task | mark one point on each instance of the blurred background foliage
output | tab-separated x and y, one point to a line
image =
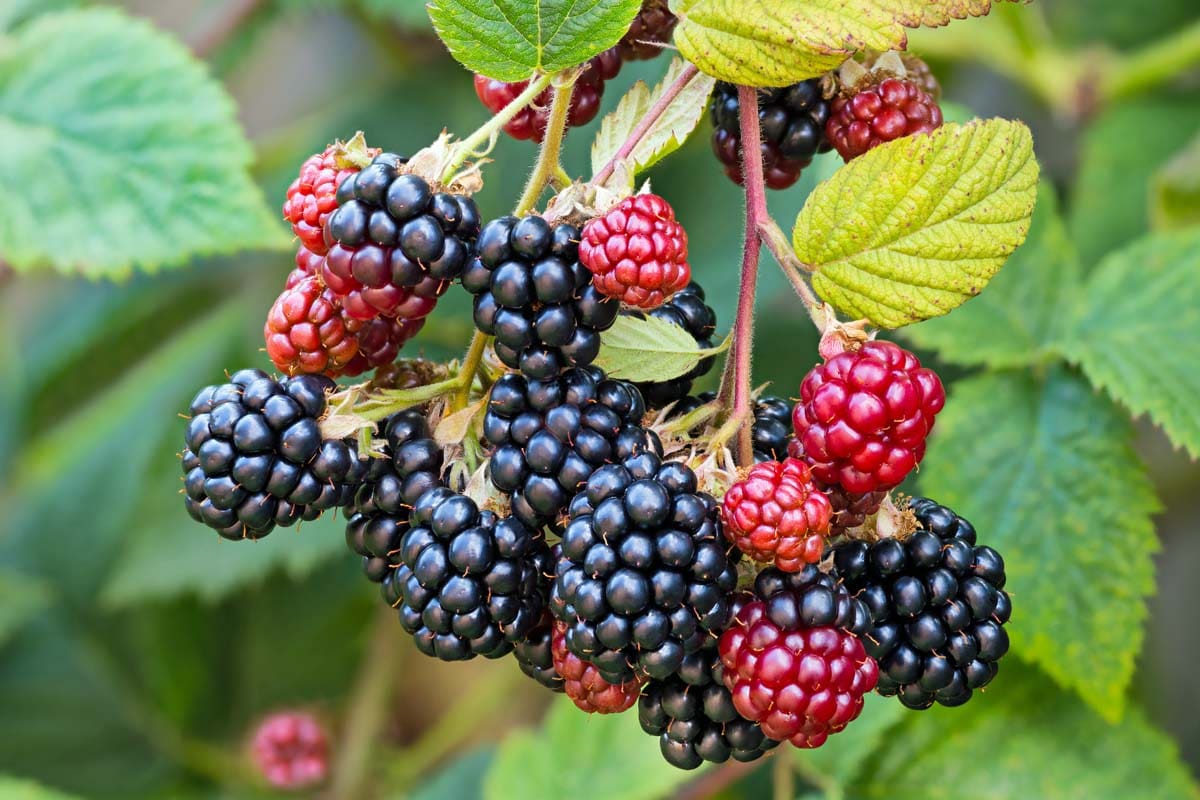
136	652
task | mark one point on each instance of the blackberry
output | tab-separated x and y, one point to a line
644	579
551	435
583	683
693	716
868	116
772	428
254	456
469	583
395	244
651	29
536	298
534	656
793	130
685	309
938	606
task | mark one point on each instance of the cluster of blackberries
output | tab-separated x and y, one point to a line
772	427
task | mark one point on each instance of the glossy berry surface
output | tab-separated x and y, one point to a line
651	29
254	456
583	683
693	716
531	121
536	298
312	197
938	604
394	243
550	436
777	515
637	252
291	750
644	579
792	661
468	583
792	120
772	429
534	655
305	331
686	309
881	113
863	417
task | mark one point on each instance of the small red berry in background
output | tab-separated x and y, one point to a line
637	252
777	514
312	197
864	415
583	684
881	113
291	750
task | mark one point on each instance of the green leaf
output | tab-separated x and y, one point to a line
1045	471
1023	739
1112	192
916	227
667	134
128	153
512	39
1016	321
17	12
1176	199
21	597
16	789
854	747
649	349
1138	332
582	757
461	779
780	42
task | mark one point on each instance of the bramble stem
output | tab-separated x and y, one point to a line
467	147
548	159
646	123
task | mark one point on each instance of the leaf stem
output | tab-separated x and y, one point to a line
1154	64
470	366
548	159
468	146
793	268
646	123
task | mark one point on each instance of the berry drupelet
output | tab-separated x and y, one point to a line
776	514
306	332
536	298
938	604
637	252
644	579
312	197
583	683
551	435
685	309
881	112
793	130
255	457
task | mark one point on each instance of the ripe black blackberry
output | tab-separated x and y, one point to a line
468	582
255	458
793	130
693	715
394	242
938	604
650	31
535	297
644	579
533	654
685	309
772	429
379	512
551	435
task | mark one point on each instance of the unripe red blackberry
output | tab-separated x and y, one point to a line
651	29
583	683
291	750
308	264
380	341
938	606
637	252
776	514
792	659
312	196
305	331
879	113
864	415
531	121
686	309
792	120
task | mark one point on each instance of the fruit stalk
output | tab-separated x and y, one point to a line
467	147
548	158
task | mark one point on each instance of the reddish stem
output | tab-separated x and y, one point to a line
646	122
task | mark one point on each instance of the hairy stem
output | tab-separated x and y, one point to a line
548	159
1153	65
646	123
468	146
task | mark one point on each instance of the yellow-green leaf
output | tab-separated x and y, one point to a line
649	349
916	227
1175	202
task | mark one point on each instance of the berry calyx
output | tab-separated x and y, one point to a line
880	113
291	750
864	415
792	660
583	683
793	129
305	331
312	196
651	29
776	514
637	252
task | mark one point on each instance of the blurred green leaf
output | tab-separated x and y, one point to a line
1023	739
1044	469
128	153
512	39
1138	332
20	599
461	779
854	748
1116	23
1120	152
1176	199
14	789
17	12
1017	318
582	757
